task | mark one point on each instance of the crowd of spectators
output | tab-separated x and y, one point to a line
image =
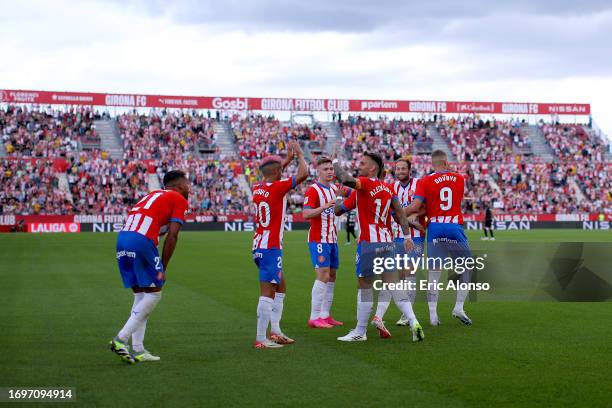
101	185
46	132
392	138
214	184
573	142
31	187
488	152
166	135
472	139
256	135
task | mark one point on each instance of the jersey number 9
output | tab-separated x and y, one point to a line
446	198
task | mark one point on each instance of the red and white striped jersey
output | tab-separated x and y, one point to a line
373	208
270	200
323	228
404	194
442	193
155	211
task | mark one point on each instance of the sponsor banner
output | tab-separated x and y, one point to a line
248	226
290	104
63	227
228	226
10	220
528	225
535	217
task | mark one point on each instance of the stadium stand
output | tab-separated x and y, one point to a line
257	135
390	137
44	145
45	132
31	187
471	139
171	136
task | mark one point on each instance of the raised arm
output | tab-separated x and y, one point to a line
343	176
302	170
290	156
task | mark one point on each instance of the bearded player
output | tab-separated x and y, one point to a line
442	192
374	199
323	243
403	187
139	262
270	201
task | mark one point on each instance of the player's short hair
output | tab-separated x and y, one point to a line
172	176
322	160
269	160
405	160
378	160
439	154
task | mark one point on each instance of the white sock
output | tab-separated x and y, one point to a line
411	283
462	294
364	308
384	298
264	310
277	313
138	335
401	300
140	314
318	294
432	292
327	300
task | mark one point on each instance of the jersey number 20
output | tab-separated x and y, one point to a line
263	214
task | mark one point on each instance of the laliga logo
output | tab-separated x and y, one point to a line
231	104
3	96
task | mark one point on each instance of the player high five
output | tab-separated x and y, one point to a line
270	201
442	192
322	243
375	201
404	187
139	262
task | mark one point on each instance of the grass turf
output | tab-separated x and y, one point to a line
63	300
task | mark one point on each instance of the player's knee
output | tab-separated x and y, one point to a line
154	295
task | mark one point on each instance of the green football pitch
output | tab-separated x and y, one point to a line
62	300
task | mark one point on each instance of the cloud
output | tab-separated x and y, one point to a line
540	51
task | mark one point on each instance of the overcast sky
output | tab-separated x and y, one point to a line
524	50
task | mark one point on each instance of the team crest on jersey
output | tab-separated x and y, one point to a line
321	259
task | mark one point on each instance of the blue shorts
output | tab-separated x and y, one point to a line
370	255
270	264
417	251
324	255
447	240
139	261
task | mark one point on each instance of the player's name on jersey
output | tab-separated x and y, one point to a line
445	177
380	188
261	192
